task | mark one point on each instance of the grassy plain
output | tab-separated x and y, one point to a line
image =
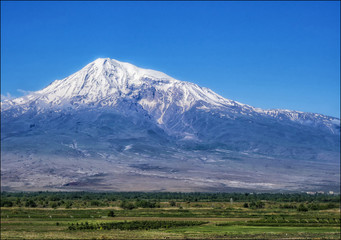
219	220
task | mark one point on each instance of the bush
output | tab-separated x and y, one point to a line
288	206
127	205
257	204
302	208
111	214
30	203
145	204
331	205
95	203
54	198
6	203
314	206
68	204
54	205
246	205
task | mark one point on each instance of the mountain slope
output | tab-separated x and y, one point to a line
151	126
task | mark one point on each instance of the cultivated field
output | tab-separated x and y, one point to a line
173	216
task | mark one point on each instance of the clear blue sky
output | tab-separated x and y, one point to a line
266	54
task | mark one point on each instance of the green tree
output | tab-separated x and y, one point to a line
302	208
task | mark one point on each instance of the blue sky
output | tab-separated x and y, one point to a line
266	54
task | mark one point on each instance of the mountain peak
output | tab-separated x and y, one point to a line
101	79
108	80
104	63
130	70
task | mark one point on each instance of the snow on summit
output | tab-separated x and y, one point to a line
105	80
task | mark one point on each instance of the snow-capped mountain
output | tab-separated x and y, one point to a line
105	82
112	110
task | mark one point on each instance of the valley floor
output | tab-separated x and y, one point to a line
201	220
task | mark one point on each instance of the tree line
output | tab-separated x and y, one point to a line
130	200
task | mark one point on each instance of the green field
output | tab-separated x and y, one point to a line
182	216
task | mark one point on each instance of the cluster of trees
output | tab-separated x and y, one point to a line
33	202
288	206
127	205
253	205
139	204
133	225
299	207
316	206
310	206
288	221
6	203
